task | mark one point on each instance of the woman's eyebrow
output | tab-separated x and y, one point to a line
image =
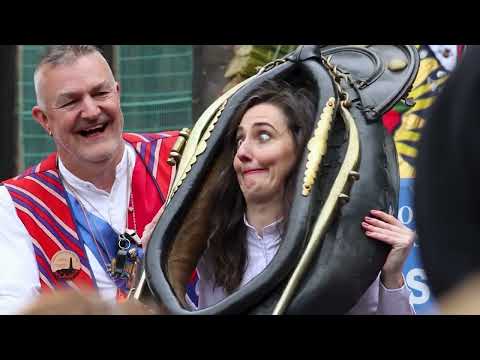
259	124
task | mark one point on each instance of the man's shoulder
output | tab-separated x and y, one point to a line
6	203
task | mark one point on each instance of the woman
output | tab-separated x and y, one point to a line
267	137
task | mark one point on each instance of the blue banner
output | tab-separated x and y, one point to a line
421	296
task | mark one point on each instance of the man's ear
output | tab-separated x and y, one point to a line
41	118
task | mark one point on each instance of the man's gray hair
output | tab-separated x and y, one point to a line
65	54
62	55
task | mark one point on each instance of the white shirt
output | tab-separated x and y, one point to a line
260	251
19	276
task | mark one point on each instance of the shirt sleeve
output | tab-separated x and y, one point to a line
19	278
378	300
395	301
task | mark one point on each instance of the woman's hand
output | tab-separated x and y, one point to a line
384	227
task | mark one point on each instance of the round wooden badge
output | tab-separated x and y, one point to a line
65	264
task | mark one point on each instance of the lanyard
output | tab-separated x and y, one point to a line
102	243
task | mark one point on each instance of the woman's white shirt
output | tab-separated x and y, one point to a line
261	248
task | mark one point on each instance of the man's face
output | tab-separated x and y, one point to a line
79	104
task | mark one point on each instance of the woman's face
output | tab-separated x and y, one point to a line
265	153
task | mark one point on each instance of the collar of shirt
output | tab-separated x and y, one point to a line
85	186
271	233
109	206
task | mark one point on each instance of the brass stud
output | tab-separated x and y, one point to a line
185	132
397	65
177	148
355	175
173	158
344	198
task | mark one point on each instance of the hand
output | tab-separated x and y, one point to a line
387	228
148	230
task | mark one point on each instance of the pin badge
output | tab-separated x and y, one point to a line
65	264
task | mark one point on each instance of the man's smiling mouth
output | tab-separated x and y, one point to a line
92	131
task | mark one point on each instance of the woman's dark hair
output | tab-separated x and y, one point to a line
226	253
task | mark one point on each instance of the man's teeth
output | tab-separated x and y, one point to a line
93	129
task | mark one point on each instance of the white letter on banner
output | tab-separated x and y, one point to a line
401	214
418	285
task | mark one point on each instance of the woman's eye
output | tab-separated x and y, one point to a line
264	137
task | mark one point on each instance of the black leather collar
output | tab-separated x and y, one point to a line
347	262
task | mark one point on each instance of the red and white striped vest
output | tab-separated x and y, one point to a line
41	203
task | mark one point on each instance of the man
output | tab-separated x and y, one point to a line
70	221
